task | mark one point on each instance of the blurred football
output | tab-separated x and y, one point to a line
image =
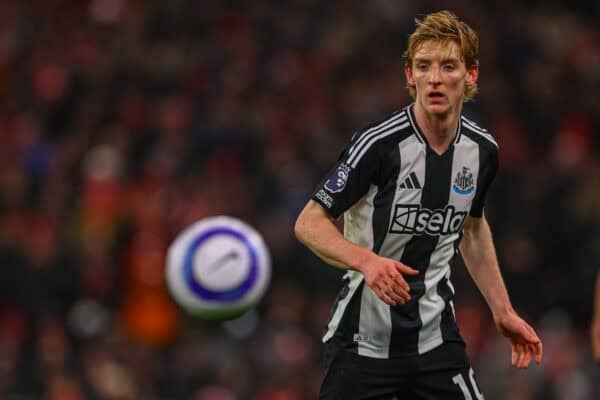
218	268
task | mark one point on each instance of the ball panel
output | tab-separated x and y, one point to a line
221	263
205	293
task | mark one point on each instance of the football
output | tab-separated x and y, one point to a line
218	268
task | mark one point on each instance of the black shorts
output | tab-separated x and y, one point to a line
442	373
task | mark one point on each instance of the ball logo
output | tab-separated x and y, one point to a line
412	219
337	181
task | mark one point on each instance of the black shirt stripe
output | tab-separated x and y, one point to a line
417	254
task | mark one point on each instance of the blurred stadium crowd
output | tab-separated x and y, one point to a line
122	121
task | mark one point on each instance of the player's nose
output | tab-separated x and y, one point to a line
434	74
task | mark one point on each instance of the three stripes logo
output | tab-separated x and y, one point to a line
411	182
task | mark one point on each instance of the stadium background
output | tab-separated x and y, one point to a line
122	121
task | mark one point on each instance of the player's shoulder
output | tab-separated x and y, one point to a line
388	128
383	127
378	135
478	133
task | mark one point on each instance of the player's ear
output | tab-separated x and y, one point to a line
472	75
409	75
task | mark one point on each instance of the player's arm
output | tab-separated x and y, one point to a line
316	229
479	254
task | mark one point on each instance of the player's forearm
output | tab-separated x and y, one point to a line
316	230
479	255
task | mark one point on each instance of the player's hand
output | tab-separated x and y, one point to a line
525	342
385	277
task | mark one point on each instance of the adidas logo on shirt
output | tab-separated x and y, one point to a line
411	182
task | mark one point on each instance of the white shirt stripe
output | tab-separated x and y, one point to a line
355	279
475	127
487	136
473	124
359	230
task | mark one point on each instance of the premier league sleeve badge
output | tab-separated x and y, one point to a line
338	179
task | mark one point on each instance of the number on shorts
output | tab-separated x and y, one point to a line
460	381
474	385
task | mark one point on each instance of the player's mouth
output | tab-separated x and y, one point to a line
435	97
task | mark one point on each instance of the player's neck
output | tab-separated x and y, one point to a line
439	129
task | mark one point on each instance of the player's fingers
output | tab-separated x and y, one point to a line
387	295
536	345
519	355
398	295
397	292
378	290
387	299
522	356
400	282
532	337
526	358
514	355
405	269
528	355
533	353
539	352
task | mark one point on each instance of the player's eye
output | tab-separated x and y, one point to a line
449	67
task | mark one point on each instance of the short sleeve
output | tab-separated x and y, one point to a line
350	179
487	174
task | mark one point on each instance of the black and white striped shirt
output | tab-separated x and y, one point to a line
404	201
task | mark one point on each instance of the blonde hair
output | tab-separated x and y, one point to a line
444	27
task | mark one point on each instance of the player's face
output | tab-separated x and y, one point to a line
439	77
